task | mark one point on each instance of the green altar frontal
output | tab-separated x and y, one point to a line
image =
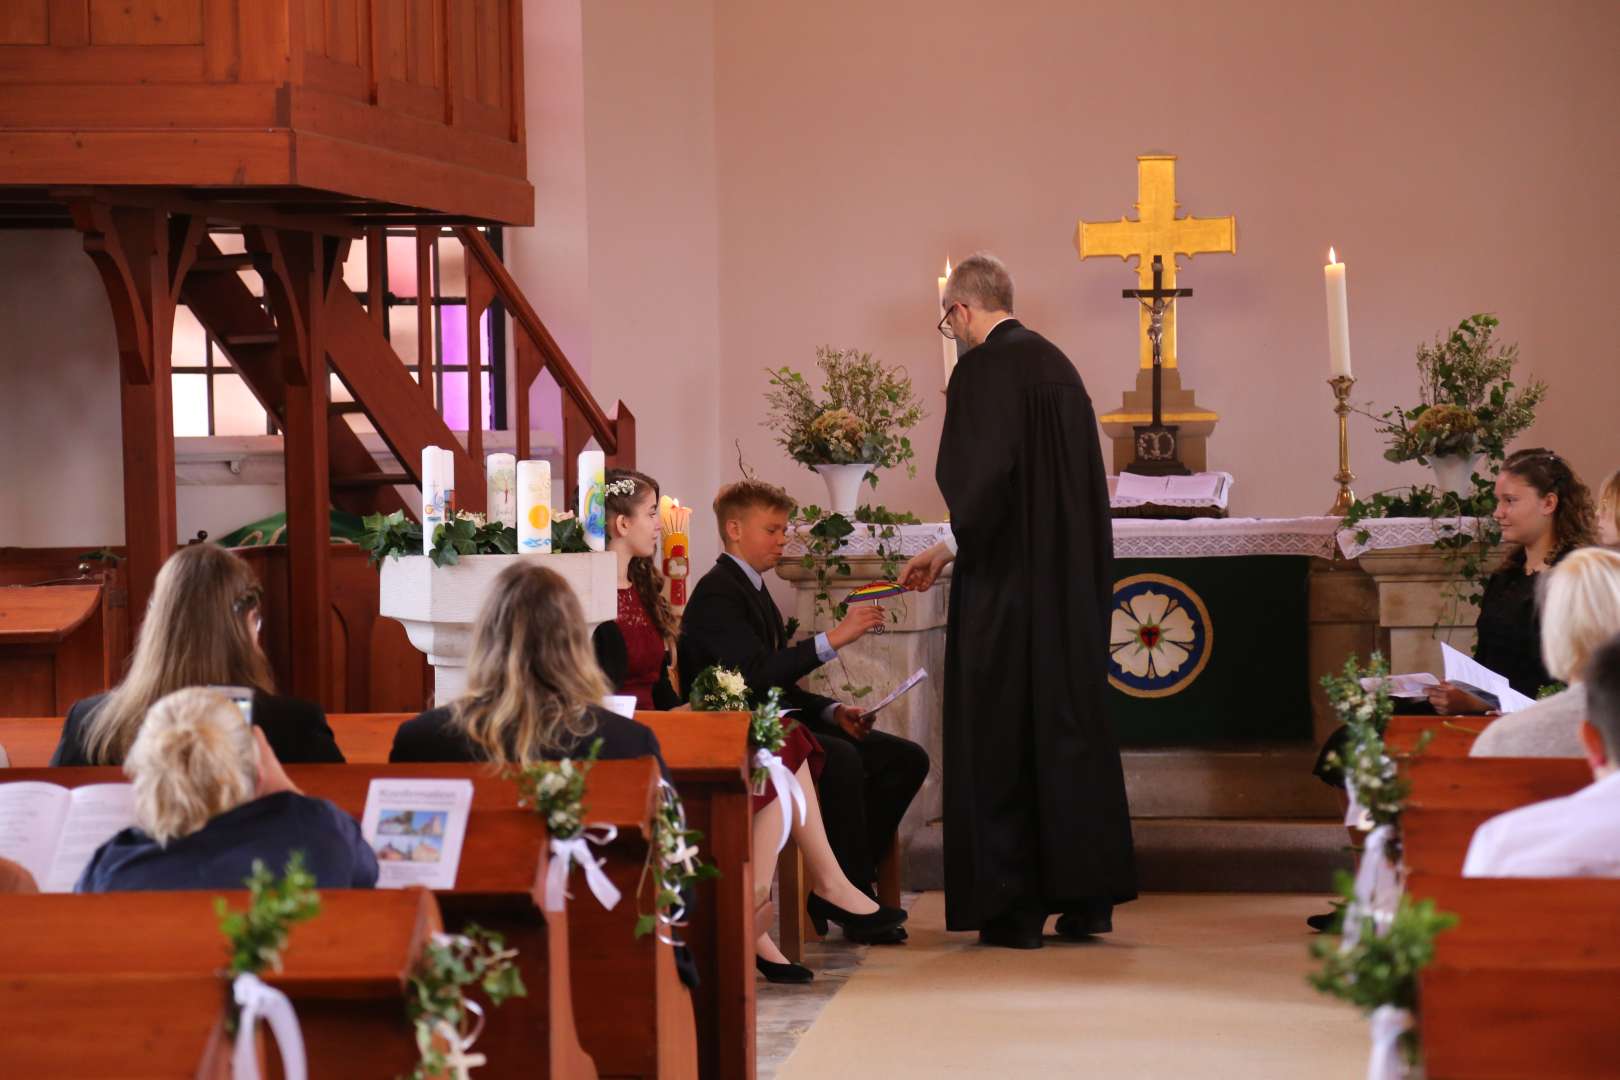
1209	650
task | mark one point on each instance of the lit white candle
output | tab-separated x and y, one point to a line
950	346
534	506
1338	313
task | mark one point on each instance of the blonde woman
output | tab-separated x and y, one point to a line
1579	612
201	629
534	690
1608	513
210	798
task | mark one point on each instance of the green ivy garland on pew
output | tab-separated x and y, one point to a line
674	865
258	935
393	535
438	1006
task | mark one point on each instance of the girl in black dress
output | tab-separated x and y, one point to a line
1544	509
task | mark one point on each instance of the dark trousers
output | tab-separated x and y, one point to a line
865	787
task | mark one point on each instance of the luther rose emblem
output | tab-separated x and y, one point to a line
1159	636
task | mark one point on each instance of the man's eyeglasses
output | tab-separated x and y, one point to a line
945	324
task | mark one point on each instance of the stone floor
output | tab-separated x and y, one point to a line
784	1013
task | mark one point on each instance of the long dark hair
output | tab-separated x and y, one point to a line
1574	519
644	574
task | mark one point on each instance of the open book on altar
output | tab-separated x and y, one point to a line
1205	490
52	831
416	828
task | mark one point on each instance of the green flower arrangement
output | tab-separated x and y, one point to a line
555	791
718	689
861	417
392	535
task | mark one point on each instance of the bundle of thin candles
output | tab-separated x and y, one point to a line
672	516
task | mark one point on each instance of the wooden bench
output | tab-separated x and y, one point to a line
1449	736
1451	797
1525	984
500	887
131	984
707	755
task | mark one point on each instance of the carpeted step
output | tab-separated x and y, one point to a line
1197	855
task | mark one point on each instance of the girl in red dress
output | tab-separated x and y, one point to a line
634	652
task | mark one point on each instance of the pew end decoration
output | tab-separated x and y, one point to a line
438	1008
1378	974
555	791
675	866
256	938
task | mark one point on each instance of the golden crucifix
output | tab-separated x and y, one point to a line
1156	231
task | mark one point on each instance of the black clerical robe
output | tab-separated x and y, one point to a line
1035	810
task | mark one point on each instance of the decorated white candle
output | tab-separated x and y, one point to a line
950	346
592	506
534	506
433	494
500	471
1338	317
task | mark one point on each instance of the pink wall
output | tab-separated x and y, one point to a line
1460	155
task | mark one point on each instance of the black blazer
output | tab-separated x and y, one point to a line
296	730
731	623
431	736
614	659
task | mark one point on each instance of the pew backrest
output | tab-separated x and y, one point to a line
1448	736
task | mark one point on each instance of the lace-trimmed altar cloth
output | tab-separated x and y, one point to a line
1143	538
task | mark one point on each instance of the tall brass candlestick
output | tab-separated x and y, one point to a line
1341	390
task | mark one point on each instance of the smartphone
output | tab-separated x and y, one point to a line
241	697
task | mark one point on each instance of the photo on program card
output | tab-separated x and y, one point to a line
410	835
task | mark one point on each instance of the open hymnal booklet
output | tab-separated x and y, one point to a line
1461	670
416	828
52	831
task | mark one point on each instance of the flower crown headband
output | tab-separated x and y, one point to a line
625	486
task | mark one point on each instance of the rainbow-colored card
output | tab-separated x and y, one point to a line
878	590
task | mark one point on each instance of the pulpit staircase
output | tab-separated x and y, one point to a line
399	407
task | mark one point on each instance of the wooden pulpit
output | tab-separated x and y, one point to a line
54	647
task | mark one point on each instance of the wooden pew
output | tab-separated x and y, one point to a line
707	755
499	886
1449	736
1451	797
1525	984
131	984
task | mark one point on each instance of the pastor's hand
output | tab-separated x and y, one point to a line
923	570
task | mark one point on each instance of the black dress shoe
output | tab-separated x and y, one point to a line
782	973
897	936
1010	936
1323	924
1079	925
855	926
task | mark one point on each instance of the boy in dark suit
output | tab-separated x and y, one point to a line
869	777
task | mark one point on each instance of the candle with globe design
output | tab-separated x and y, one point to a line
592	498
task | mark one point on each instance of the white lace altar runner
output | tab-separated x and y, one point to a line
1199	538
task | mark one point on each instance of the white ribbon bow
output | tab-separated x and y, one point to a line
462	1063
1355	815
1385	1026
254	998
576	849
1378	889
788	792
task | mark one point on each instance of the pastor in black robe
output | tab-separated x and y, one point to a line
1035	809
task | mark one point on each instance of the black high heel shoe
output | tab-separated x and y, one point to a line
856	927
782	973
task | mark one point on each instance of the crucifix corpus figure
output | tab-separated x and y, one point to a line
1156	450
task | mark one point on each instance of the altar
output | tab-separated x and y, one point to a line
1220	632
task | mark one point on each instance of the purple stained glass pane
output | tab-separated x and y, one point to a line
453	352
454	403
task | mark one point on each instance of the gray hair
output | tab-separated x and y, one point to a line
193	759
981	280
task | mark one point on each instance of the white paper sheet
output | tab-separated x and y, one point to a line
416	828
1405	686
1461	667
31	816
911	680
95	814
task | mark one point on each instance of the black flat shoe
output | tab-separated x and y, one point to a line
782	973
855	926
1009	936
1322	924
